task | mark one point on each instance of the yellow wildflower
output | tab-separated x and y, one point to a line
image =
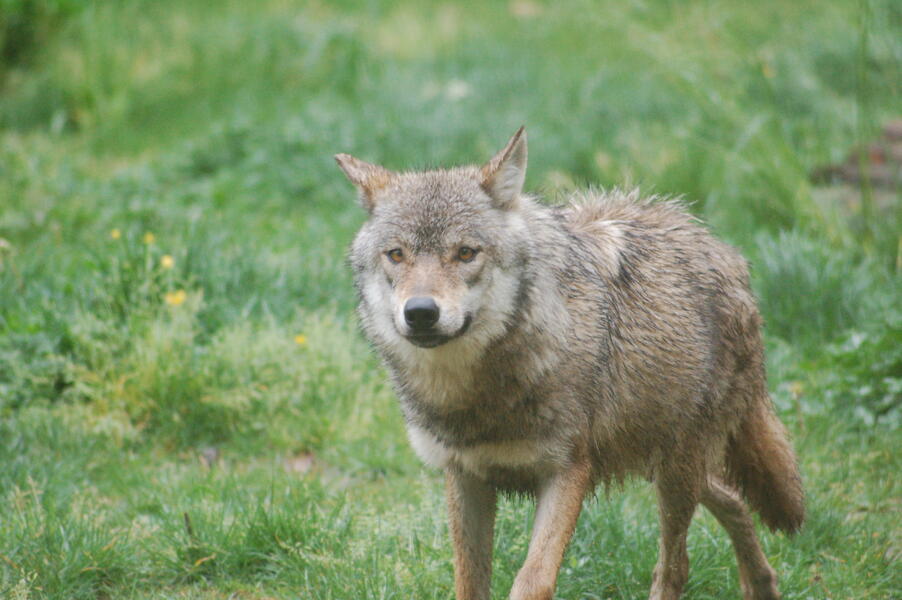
166	261
149	238
175	298
115	234
300	339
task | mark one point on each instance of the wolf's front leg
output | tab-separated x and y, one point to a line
471	516
558	505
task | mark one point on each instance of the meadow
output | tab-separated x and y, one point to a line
187	408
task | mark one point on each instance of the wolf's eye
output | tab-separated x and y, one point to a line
395	255
466	254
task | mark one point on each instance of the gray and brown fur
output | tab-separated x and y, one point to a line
579	345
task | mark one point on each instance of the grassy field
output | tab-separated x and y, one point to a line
187	409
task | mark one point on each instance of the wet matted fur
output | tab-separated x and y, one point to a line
546	350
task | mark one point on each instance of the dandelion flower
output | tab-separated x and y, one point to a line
115	234
176	298
300	339
166	261
149	238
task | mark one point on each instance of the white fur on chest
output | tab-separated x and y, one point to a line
478	458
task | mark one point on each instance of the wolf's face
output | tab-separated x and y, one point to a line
431	257
439	260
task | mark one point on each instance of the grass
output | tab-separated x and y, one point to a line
193	414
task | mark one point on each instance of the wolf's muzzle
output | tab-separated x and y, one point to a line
421	313
430	339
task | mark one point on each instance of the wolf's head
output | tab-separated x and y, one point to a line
439	262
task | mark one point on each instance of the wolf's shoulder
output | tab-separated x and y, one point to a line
585	210
622	229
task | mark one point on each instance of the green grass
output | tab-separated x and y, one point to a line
166	433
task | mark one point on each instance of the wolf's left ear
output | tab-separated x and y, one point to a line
368	178
503	176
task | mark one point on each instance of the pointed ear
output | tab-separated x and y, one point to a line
503	176
368	178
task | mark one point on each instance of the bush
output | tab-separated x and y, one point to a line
866	372
27	24
808	292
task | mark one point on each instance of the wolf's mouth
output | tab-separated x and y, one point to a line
430	339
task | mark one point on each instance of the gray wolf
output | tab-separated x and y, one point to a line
547	350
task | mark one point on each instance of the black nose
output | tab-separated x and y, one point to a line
421	312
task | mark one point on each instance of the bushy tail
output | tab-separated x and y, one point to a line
761	463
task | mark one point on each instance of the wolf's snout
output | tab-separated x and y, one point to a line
421	313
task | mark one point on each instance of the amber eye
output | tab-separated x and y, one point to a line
395	255
466	254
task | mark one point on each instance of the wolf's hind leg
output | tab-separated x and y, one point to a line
757	578
678	494
471	518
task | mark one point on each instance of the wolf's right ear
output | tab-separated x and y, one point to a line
368	178
503	176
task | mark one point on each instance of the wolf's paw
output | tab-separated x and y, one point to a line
531	586
762	587
668	584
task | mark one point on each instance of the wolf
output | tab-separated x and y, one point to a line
547	350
